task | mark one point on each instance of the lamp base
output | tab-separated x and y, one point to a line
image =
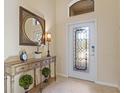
48	54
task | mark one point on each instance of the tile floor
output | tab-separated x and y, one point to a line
71	85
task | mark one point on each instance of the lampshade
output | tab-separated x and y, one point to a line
48	37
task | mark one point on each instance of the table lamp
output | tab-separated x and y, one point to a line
48	40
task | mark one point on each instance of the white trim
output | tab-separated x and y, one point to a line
107	84
66	49
63	75
97	82
95	22
72	2
67	32
82	21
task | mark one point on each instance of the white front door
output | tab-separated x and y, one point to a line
82	50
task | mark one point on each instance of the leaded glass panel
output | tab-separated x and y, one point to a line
81	48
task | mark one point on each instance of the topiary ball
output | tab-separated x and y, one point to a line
25	81
46	71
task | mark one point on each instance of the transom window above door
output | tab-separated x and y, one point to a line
81	7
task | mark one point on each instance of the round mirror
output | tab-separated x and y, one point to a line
33	29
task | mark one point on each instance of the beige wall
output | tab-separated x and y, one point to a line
107	19
43	8
11	33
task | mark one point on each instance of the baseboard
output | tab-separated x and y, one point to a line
97	82
107	84
63	75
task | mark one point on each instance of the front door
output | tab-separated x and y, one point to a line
82	50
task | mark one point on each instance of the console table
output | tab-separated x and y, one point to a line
16	67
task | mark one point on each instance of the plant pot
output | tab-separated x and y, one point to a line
46	79
26	90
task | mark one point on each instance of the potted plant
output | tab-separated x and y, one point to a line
46	72
25	81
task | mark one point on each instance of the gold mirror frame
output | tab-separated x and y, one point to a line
23	38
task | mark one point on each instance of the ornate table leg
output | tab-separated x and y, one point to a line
40	80
55	69
49	68
12	84
5	83
34	77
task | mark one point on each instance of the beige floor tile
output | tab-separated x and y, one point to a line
71	85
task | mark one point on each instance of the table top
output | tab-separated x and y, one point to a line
28	61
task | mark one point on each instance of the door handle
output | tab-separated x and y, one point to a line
92	50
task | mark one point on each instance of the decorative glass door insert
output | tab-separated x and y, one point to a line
81	48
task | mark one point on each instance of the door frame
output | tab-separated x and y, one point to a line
67	45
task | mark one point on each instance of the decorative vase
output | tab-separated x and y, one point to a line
37	55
